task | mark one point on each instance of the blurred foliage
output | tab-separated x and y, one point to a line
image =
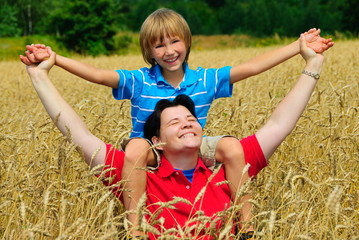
91	26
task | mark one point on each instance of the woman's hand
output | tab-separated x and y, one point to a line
316	42
43	67
314	60
35	53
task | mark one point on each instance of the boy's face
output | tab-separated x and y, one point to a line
180	130
169	54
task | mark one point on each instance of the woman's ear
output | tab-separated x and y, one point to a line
157	143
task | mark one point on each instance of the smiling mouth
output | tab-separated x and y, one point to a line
171	60
187	135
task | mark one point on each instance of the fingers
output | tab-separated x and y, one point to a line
312	30
51	59
42	54
37	45
30	57
37	52
25	60
302	41
49	50
52	56
327	46
31	48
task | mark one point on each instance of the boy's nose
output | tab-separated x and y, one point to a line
169	50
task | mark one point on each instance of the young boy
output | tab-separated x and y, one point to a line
165	41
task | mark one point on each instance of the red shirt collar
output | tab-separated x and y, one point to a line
166	169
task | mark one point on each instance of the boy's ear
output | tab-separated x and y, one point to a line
156	141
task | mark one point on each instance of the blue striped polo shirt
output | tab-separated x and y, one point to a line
146	86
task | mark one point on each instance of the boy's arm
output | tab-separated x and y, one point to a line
286	114
273	58
90	73
37	53
65	118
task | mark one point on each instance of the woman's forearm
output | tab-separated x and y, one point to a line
67	120
286	114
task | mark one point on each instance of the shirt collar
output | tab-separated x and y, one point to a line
158	75
166	169
187	81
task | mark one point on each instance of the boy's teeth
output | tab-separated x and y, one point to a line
171	60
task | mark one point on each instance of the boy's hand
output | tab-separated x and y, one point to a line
35	69
35	54
316	42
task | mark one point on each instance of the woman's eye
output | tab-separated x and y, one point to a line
173	123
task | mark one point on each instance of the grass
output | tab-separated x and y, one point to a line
310	190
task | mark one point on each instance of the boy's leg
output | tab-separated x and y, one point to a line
138	155
229	152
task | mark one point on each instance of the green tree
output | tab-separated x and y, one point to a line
32	15
231	17
85	26
350	20
9	25
258	21
200	17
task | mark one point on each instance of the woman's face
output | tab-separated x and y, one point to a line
180	130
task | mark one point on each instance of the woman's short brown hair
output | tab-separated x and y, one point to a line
163	22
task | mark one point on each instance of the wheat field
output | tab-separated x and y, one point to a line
310	190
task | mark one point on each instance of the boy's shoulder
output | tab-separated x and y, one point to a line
202	71
144	71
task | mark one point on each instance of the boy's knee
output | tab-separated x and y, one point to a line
137	149
228	149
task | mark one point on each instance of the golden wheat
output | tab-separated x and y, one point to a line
310	190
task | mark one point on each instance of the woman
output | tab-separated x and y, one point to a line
178	136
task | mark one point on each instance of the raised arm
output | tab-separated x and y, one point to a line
39	52
270	59
65	118
286	114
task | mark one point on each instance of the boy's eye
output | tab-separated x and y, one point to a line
158	46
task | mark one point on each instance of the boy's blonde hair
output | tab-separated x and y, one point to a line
163	22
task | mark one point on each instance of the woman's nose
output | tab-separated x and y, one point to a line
187	124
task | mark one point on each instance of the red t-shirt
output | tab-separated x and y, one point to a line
169	185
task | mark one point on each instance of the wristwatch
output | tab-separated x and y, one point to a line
316	76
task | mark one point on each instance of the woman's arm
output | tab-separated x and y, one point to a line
285	116
66	119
